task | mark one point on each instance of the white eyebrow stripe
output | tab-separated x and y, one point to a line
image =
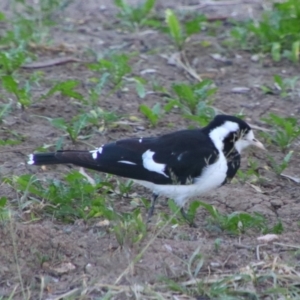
126	162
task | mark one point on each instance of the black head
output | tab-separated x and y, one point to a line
232	131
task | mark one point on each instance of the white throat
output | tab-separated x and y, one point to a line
218	134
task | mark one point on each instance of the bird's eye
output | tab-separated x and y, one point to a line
254	140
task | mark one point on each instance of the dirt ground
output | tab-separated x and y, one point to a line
89	255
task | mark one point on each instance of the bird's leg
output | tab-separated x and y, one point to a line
151	209
187	218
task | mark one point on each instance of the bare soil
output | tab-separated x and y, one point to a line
85	255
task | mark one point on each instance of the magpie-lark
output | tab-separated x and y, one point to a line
179	165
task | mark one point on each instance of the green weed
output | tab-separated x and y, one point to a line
65	88
286	86
4	213
251	174
134	16
193	100
180	32
285	132
276	33
73	128
130	228
32	22
75	197
153	114
115	68
5	110
66	200
280	166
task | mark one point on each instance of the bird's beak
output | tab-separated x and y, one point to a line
258	144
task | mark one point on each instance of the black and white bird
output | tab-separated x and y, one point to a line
179	165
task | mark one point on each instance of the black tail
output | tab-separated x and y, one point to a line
79	158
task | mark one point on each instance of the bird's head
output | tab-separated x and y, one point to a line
225	129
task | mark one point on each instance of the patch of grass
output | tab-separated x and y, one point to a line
73	128
180	32
74	198
192	97
276	33
65	88
115	67
234	223
279	166
4	213
285	87
134	16
153	114
31	23
286	131
130	228
67	200
194	101
251	174
5	110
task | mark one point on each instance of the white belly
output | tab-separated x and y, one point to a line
211	178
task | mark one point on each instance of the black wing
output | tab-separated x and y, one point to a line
184	153
181	156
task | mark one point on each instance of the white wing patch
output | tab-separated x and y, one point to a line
151	165
126	162
30	160
96	151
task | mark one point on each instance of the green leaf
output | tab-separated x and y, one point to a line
149	114
295	51
140	88
3	201
276	51
174	28
195	25
66	88
147	7
10	84
59	123
2	16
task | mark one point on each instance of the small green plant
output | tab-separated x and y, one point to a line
130	228
66	200
285	132
153	114
72	128
11	60
22	94
125	187
99	116
134	16
179	32
251	174
4	213
65	88
235	223
114	70
276	33
280	166
193	99
286	86
5	110
32	22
